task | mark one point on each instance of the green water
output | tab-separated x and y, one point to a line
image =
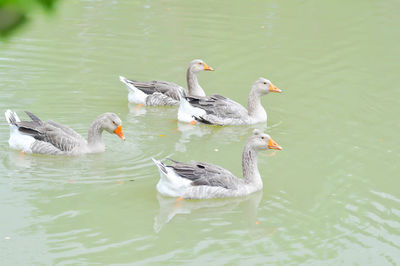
331	197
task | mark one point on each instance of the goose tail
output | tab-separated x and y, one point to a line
187	112
128	84
135	95
12	118
170	184
18	140
161	167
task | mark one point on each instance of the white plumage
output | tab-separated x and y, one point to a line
18	140
164	93
170	183
135	95
187	112
197	180
219	110
37	136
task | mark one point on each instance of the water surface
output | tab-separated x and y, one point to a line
330	197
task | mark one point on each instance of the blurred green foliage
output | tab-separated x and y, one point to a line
15	13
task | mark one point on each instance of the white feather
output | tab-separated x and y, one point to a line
135	95
18	140
171	184
187	111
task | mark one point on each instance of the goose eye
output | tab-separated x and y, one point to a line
114	123
265	83
200	63
262	137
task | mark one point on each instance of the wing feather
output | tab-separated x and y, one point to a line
62	138
167	88
219	106
204	174
67	130
157	99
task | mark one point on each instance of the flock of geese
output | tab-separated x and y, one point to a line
194	180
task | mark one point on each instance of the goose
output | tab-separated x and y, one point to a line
197	180
219	110
53	138
164	93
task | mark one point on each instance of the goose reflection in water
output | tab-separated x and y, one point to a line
170	207
137	109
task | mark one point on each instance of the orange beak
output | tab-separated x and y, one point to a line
207	67
272	88
273	145
119	132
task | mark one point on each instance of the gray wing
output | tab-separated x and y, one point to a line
204	174
67	130
42	147
219	109
219	106
52	133
167	88
159	99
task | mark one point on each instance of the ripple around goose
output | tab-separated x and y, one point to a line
53	138
197	180
164	93
219	110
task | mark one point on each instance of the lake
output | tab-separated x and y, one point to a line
330	197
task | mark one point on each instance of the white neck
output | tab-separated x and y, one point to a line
255	110
194	87
251	175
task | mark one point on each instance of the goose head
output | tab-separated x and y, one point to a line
263	86
111	123
199	65
262	141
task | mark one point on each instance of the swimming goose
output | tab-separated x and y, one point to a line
53	138
196	180
161	93
219	110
